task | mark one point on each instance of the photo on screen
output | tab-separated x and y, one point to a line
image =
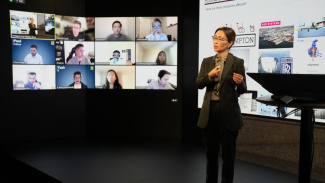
156	53
65	76
148	27
75	28
309	52
33	77
33	51
270	62
276	37
147	74
114	28
311	25
79	53
32	25
124	75
115	53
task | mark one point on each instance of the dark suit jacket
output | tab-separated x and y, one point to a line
229	91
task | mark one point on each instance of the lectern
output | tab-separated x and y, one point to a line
303	91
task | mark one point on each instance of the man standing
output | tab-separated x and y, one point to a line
32	27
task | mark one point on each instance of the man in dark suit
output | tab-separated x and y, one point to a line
223	77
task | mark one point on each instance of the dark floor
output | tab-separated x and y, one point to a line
108	161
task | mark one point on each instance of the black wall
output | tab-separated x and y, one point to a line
52	114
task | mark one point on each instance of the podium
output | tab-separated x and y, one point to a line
306	131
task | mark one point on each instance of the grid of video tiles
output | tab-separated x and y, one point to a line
52	51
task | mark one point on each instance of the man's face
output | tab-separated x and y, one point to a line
156	26
116	55
77	79
116	28
80	52
32	78
33	51
164	80
76	29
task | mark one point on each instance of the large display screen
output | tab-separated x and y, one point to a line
279	36
52	51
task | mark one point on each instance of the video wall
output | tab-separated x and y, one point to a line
52	52
278	36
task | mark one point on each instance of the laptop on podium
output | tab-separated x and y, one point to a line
289	87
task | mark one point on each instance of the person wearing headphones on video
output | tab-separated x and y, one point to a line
77	84
116	60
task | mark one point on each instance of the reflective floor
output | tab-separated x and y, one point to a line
120	161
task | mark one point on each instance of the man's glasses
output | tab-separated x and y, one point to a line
219	38
116	27
156	26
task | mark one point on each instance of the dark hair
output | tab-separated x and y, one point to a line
33	46
32	73
230	34
117	22
156	20
79	45
73	51
116	51
116	84
162	73
77	73
158	61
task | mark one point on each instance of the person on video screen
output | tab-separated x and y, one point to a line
32	27
223	78
117	36
116	60
32	82
112	81
161	58
76	34
77	84
156	34
33	57
162	81
79	58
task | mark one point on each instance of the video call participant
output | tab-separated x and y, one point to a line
223	77
117	36
156	34
112	81
76	34
77	84
32	27
116	60
79	58
32	83
161	58
162	81
33	57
